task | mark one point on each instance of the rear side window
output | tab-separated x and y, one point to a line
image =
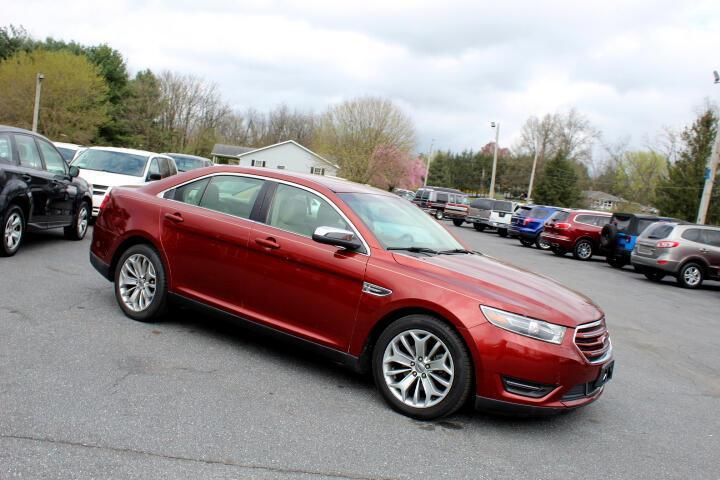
442	197
503	206
6	154
659	231
712	237
28	152
692	234
451	198
232	195
562	216
164	167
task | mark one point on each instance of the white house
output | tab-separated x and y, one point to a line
288	155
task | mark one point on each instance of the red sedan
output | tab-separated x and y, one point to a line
364	276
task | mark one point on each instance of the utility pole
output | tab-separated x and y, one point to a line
710	172
36	110
427	167
496	126
532	173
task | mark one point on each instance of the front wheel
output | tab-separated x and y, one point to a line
502	232
140	284
458	222
690	275
78	228
422	367
13	231
439	214
479	227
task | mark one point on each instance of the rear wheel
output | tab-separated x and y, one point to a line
13	231
422	367
526	242
140	284
560	252
583	250
541	243
479	227
439	214
690	275
458	222
502	232
78	228
654	275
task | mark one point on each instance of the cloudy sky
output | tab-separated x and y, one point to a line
632	67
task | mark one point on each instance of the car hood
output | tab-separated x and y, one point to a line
501	285
110	179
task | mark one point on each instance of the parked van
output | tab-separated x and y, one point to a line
443	203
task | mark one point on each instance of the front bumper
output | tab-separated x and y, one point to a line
571	380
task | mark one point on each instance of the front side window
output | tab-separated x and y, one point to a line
54	162
112	162
399	224
712	237
28	152
6	154
154	168
232	194
302	212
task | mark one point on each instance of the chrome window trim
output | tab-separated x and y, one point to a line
607	354
161	194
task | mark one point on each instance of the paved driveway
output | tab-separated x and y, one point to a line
87	393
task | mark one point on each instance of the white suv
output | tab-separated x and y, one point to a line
107	167
500	215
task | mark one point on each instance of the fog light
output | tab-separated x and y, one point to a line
526	388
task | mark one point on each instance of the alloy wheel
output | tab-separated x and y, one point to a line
13	231
418	368
82	222
692	276
584	250
137	282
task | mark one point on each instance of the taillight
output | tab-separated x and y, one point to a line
527	220
105	200
667	244
562	226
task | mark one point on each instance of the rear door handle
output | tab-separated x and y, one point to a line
267	242
174	217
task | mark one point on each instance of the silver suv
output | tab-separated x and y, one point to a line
689	252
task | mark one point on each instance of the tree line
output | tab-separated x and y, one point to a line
90	98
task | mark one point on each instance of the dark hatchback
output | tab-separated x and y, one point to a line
38	190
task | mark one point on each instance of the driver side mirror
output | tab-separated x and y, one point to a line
73	171
337	237
153	177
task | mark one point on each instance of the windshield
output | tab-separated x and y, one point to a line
399	224
112	162
185	164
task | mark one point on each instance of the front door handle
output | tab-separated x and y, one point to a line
267	242
174	217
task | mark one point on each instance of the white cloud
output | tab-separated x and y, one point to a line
632	67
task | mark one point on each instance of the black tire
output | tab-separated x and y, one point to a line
691	275
458	222
158	305
608	235
461	385
615	262
502	232
542	244
654	275
73	231
526	242
10	246
479	227
439	214
560	252
583	250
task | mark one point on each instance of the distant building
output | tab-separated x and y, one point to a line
598	200
288	155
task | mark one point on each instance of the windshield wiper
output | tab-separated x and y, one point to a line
453	251
416	250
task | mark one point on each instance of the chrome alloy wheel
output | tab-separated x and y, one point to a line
544	244
418	368
13	231
584	250
137	282
692	276
82	222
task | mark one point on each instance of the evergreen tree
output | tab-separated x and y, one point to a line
679	195
558	184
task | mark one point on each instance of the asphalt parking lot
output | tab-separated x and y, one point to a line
87	393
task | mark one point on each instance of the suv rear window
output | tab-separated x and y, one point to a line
482	203
642	225
539	212
442	197
560	216
622	223
659	231
503	206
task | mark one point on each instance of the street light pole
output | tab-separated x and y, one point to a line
427	167
532	173
710	173
496	126
36	110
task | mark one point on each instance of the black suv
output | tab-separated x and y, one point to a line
38	190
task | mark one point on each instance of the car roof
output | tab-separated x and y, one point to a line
592	212
67	145
9	129
131	151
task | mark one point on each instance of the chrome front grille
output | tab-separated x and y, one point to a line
593	340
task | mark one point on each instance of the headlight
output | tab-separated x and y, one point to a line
529	327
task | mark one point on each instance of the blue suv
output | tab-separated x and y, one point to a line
528	222
617	238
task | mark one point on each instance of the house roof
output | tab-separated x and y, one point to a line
223	150
598	195
283	143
